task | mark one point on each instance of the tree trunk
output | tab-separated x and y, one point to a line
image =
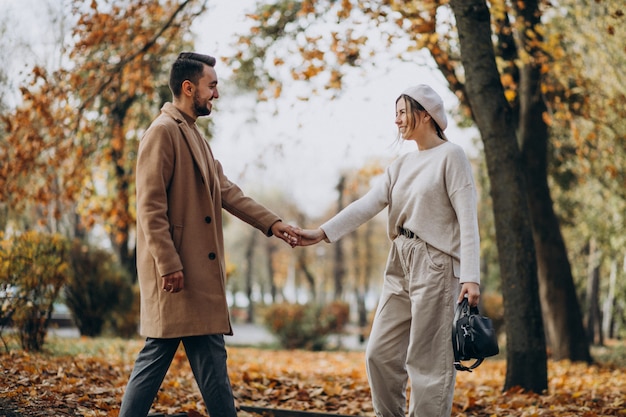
308	275
526	353
249	278
559	302
363	285
609	302
271	273
4	216
122	178
339	269
593	288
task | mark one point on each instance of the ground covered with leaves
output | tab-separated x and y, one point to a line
86	377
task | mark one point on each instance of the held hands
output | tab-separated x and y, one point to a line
287	233
295	236
310	236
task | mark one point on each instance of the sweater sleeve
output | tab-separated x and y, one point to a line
358	212
463	198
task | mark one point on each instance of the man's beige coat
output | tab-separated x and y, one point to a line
179	227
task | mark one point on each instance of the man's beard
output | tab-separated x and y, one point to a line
199	108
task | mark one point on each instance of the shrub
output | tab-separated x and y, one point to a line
298	326
33	268
491	305
336	314
124	320
8	288
99	287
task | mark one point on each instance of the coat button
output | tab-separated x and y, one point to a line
207	219
211	256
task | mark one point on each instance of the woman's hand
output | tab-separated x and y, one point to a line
310	236
472	290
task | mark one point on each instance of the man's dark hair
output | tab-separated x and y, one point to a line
188	66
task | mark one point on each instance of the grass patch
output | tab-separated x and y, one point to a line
87	346
58	346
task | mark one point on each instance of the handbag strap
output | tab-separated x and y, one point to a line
460	367
462	307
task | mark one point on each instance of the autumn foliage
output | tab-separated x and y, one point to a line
33	269
69	148
299	326
87	377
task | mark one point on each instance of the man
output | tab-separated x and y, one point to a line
181	191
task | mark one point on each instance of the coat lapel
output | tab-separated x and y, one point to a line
192	143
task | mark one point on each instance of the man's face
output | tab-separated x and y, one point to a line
205	92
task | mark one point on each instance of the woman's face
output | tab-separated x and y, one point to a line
404	119
409	119
401	119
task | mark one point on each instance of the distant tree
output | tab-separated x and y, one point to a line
249	273
586	95
339	267
367	262
260	266
72	142
96	289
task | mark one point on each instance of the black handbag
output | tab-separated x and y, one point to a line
473	336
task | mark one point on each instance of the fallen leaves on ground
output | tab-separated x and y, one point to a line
81	384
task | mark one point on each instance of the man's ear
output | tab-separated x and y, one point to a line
187	88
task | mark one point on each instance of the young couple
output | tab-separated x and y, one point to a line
433	261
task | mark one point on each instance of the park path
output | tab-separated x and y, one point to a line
246	334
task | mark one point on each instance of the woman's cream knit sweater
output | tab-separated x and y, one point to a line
430	193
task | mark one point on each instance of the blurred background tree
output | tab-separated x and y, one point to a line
69	147
68	143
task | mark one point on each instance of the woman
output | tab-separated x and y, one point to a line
433	226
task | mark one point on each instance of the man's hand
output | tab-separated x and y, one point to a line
286	232
310	236
174	282
473	293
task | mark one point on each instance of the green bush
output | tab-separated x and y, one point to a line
298	326
8	288
33	268
99	287
336	315
124	321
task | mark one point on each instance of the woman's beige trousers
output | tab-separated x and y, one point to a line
411	333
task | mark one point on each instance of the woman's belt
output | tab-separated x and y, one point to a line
407	233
